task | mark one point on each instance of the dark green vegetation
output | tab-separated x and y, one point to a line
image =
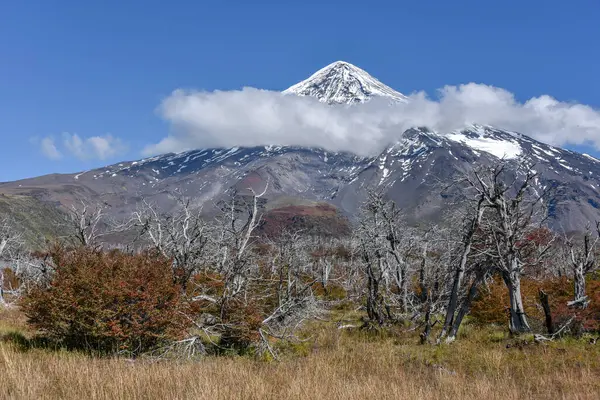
39	221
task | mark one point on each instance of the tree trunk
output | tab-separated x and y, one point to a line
546	307
460	272
425	334
2	301
518	320
579	282
405	290
3	245
422	276
465	306
374	309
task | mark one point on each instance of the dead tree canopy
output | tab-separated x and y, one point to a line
181	235
514	210
85	224
506	209
384	242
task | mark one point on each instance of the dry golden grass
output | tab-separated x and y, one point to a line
339	365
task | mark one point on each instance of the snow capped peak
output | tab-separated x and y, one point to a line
343	83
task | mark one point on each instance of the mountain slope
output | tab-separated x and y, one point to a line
343	83
205	175
412	171
37	221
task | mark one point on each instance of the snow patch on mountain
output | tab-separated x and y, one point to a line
498	148
590	157
499	143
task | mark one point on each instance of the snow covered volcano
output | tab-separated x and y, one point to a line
343	83
412	170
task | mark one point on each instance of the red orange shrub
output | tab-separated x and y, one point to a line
491	305
107	302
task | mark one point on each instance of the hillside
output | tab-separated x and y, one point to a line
412	171
38	221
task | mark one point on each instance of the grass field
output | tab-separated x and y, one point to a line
482	364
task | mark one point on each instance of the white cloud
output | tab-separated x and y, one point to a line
49	148
91	148
95	147
252	117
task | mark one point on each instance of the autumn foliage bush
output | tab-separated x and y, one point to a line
107	301
492	303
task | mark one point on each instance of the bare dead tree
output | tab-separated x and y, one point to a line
8	236
290	269
478	275
471	226
181	235
543	296
295	300
11	245
323	261
236	226
85	222
383	245
371	233
396	241
286	257
583	261
349	267
514	208
433	252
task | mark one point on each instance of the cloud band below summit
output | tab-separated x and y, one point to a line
250	117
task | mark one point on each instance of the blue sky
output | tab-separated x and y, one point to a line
103	68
